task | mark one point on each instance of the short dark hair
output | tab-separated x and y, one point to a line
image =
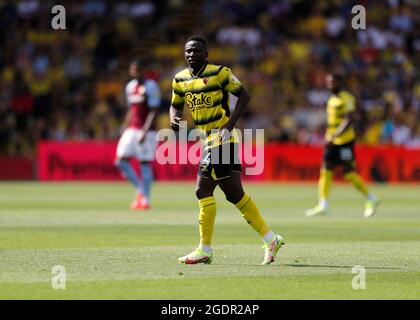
137	62
338	77
198	39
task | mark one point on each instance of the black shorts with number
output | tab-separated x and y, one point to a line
219	162
336	155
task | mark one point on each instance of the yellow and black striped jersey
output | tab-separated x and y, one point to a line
206	95
338	106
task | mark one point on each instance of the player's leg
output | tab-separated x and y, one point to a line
372	201
204	192
324	185
207	214
207	204
351	175
326	176
125	150
145	154
228	174
233	190
147	175
127	170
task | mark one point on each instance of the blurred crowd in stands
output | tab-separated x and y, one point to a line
68	84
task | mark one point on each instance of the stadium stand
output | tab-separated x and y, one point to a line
67	84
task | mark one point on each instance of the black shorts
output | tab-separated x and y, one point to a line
340	155
219	162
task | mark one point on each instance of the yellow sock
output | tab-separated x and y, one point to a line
206	219
358	182
252	215
324	183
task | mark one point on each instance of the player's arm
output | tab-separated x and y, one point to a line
126	120
147	124
127	115
177	106
347	122
153	102
349	107
232	85
175	116
241	104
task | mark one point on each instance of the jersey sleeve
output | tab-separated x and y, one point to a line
229	82
349	102
177	96
153	94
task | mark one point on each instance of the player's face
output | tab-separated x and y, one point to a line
329	82
133	70
195	54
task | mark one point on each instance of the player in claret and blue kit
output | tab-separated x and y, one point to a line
138	140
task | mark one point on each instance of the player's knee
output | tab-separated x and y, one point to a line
202	193
119	162
234	197
199	193
349	172
329	167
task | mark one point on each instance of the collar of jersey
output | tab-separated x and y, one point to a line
200	71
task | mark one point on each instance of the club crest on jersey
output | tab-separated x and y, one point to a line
205	80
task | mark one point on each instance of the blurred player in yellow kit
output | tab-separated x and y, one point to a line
204	88
339	148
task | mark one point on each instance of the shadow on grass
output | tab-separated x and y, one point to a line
338	267
306	266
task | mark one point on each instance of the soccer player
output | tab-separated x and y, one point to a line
205	89
339	148
138	140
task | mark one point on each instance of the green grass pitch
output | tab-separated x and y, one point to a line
110	252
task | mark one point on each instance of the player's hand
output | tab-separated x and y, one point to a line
175	123
225	132
142	137
328	141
